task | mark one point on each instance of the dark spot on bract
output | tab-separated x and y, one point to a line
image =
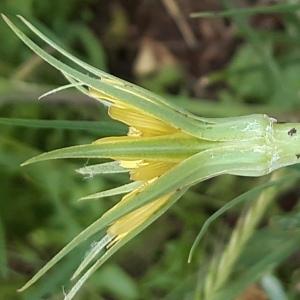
298	156
292	131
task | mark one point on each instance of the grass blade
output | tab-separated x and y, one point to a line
262	264
276	8
104	128
247	196
3	256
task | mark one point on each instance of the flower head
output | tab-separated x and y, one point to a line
141	126
166	151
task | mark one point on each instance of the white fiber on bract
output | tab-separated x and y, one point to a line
96	248
102	168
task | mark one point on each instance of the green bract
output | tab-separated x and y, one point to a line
183	150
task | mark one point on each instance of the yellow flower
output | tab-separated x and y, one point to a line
141	125
167	150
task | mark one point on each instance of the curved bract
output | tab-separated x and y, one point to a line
166	151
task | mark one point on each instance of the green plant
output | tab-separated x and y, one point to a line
167	150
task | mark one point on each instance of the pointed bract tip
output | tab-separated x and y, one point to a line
82	199
35	159
4	17
8	22
41	97
21	289
25	163
22	18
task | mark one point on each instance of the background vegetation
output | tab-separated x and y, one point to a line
240	63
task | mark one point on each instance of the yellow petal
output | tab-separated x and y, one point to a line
136	218
102	96
143	123
149	170
130	164
112	139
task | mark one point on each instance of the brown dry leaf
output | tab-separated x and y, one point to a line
152	57
253	292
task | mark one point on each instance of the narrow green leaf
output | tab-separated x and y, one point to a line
101	127
104	168
3	254
263	264
276	8
123	189
247	196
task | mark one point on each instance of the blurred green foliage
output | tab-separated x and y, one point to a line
38	209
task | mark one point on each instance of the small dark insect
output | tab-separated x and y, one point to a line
292	131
